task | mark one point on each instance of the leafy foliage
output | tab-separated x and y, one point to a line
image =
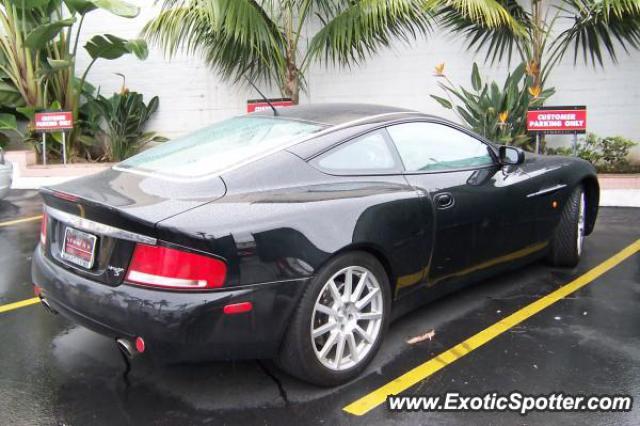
125	115
115	7
8	124
591	28
10	97
608	154
499	40
43	34
353	34
599	25
108	46
263	39
38	47
497	113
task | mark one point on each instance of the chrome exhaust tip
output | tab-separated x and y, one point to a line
126	348
47	306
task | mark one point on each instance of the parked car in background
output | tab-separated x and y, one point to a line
6	170
299	235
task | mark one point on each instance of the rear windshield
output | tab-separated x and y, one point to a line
218	147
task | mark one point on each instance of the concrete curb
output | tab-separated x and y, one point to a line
28	175
620	197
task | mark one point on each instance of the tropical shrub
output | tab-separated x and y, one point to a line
608	154
270	40
38	48
125	115
7	125
615	153
496	112
545	31
586	148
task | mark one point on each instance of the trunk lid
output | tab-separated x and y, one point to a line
130	205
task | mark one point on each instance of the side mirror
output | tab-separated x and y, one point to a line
510	155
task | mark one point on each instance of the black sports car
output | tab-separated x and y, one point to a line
300	235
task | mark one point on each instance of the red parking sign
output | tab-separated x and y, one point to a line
53	121
260	105
557	120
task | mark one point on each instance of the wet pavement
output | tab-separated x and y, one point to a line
54	372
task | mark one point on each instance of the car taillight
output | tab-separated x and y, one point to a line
165	267
43	228
65	196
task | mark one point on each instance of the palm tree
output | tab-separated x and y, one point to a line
591	28
267	39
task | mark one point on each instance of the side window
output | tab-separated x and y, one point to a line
432	146
369	153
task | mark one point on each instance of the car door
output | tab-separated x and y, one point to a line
399	226
472	197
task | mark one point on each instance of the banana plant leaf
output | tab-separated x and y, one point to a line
58	64
28	112
9	95
108	46
8	122
117	7
41	35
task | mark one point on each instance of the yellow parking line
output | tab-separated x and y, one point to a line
23	220
20	304
421	372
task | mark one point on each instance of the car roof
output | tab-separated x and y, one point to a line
345	119
337	114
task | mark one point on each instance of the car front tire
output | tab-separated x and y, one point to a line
340	321
568	239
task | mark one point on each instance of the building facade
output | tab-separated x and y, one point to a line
192	95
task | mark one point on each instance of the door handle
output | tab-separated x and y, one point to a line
444	200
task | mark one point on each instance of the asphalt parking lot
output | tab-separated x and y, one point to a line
54	372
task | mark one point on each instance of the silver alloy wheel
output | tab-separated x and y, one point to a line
581	215
347	318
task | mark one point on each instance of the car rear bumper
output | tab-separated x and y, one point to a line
175	326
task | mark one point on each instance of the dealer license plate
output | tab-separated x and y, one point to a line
79	247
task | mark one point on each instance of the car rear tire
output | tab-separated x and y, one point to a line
337	328
568	238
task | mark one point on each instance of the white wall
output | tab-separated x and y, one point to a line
191	95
